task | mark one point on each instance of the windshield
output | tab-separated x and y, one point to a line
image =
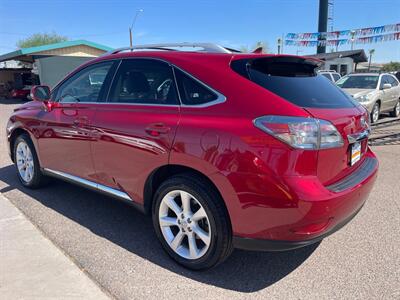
358	82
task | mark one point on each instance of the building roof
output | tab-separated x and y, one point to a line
357	55
33	50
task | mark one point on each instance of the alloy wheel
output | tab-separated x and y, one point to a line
184	224
25	162
375	113
397	109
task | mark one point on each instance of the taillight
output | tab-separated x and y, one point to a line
302	133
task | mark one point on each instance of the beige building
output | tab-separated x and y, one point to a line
48	63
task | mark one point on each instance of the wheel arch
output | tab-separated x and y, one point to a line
16	133
158	176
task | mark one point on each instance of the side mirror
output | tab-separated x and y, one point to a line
386	86
40	93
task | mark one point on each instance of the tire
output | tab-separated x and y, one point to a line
396	110
375	113
27	163
215	225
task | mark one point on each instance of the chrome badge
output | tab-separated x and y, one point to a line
363	123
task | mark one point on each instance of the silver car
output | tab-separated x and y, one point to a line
377	92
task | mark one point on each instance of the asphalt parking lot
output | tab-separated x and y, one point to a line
116	246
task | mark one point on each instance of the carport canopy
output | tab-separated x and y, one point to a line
79	48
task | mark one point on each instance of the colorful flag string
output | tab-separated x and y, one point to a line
339	42
336	34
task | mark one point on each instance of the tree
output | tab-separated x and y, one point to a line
391	67
246	49
39	39
371	51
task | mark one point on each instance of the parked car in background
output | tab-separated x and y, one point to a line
20	93
261	160
330	74
377	92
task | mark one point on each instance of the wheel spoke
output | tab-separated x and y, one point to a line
200	214
185	197
168	221
19	163
170	201
26	175
177	241
193	250
204	236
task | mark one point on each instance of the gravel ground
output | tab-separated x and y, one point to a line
116	245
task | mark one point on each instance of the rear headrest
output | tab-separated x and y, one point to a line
136	82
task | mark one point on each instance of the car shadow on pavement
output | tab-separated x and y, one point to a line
126	227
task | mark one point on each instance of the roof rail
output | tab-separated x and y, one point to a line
205	47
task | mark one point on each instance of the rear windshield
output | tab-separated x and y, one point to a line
358	82
295	80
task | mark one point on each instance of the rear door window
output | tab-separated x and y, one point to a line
295	80
144	81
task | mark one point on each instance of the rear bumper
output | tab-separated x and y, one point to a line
277	245
296	211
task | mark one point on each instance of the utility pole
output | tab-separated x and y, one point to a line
322	24
133	24
279	42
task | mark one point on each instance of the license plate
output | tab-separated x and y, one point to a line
355	153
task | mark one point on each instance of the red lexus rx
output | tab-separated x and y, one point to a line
224	150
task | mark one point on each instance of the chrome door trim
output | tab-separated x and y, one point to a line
87	183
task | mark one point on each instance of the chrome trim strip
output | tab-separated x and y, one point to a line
359	175
88	183
352	138
114	192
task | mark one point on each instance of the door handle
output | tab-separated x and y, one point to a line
81	121
156	129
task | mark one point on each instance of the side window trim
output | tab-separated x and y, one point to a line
107	99
220	97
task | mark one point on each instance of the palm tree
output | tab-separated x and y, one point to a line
371	51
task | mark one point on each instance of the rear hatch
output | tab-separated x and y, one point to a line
295	80
335	163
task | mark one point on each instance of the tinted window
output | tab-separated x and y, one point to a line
393	81
327	76
336	77
358	82
295	80
191	91
143	81
84	86
385	79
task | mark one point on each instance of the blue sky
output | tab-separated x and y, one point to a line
231	23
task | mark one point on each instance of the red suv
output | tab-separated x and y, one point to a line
222	149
